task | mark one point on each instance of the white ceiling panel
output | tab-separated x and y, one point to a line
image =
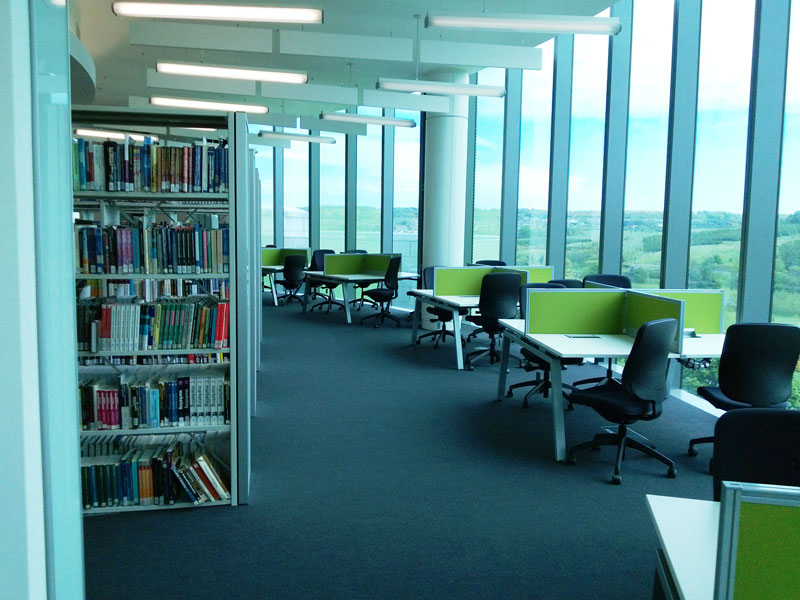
480	55
346	46
403	101
311	93
195	35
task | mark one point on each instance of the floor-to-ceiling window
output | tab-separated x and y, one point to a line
331	193
534	161
295	193
726	43
368	185
651	59
587	144
488	169
405	218
263	162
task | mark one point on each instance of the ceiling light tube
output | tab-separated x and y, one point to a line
113	135
529	23
218	12
297	137
440	87
231	73
206	105
367	120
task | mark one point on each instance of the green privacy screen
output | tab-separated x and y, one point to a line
575	311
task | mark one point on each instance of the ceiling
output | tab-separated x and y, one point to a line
392	42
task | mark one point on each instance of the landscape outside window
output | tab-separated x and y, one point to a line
331	193
368	188
295	193
405	216
263	161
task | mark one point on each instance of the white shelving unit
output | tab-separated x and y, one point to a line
231	207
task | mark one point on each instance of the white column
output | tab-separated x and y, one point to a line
445	180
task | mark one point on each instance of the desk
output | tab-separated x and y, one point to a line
451	303
552	347
270	271
687	558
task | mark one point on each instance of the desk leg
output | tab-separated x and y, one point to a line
559	434
346	303
274	291
457	339
501	382
305	295
415	323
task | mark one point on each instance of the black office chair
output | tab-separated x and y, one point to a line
293	266
498	300
384	295
315	285
620	281
532	362
755	369
490	262
441	315
270	246
568	283
360	299
757	445
355	251
638	397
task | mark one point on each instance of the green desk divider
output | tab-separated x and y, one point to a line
343	264
376	264
536	274
702	309
575	311
275	256
458	281
598	285
521	272
641	307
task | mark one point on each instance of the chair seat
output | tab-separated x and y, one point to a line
442	314
380	294
490	326
715	396
287	283
612	403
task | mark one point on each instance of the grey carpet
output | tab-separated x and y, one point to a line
379	471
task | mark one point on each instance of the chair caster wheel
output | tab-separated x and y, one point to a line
616	480
671	473
692	451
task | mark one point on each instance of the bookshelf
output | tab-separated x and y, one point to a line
161	285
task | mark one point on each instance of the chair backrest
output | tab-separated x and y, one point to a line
270	246
523	293
757	363
620	281
318	259
390	279
499	294
570	283
757	445
489	262
293	266
427	278
354	252
645	374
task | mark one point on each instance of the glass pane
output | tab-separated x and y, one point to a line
331	193
405	221
726	41
534	161
264	168
488	169
295	193
587	143
368	185
651	62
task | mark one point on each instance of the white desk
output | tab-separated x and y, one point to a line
270	271
687	559
451	303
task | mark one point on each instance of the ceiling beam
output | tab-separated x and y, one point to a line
339	45
317	124
404	101
311	92
195	35
480	55
200	84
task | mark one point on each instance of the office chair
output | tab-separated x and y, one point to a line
442	315
498	300
755	369
620	281
489	262
360	287
757	445
568	283
354	251
638	397
314	284
533	362
293	266
384	295
270	246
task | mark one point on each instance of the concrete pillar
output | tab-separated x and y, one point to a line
445	180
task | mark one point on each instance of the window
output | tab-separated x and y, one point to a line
488	169
264	167
331	193
587	145
534	161
405	218
651	61
295	193
368	186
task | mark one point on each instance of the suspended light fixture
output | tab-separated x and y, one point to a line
196	70
554	24
218	12
440	87
368	120
207	105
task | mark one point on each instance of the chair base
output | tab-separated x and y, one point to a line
439	335
329	302
289	297
622	442
700	440
381	316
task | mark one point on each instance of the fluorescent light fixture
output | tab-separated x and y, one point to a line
528	23
440	87
113	135
206	105
367	120
231	73
201	128
218	12
296	137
